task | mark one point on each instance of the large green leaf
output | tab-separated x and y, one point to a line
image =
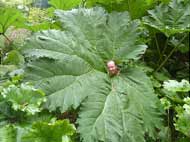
10	17
120	112
170	19
70	67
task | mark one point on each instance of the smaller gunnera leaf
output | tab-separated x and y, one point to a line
170	18
24	98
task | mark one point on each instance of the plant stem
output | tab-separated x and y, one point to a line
157	46
83	2
129	8
168	117
170	54
165	47
6	38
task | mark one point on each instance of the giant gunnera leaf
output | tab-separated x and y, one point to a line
83	66
170	18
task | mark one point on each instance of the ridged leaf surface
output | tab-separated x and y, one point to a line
70	66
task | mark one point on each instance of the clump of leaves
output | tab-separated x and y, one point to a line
136	8
175	86
169	26
41	19
71	67
64	4
170	19
183	116
10	17
177	98
24	98
7	134
37	15
40	131
58	131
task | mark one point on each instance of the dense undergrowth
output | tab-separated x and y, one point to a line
94	71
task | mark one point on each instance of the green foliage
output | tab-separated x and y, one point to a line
16	2
170	18
70	67
41	19
178	99
24	98
10	17
182	46
13	58
7	134
37	15
183	115
104	2
64	4
175	86
136	8
58	131
4	69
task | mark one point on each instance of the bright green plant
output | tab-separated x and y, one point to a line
175	86
41	19
16	2
177	98
7	134
71	68
10	17
22	118
58	131
24	98
64	4
136	8
183	115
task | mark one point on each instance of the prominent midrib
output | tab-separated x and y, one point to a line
101	114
